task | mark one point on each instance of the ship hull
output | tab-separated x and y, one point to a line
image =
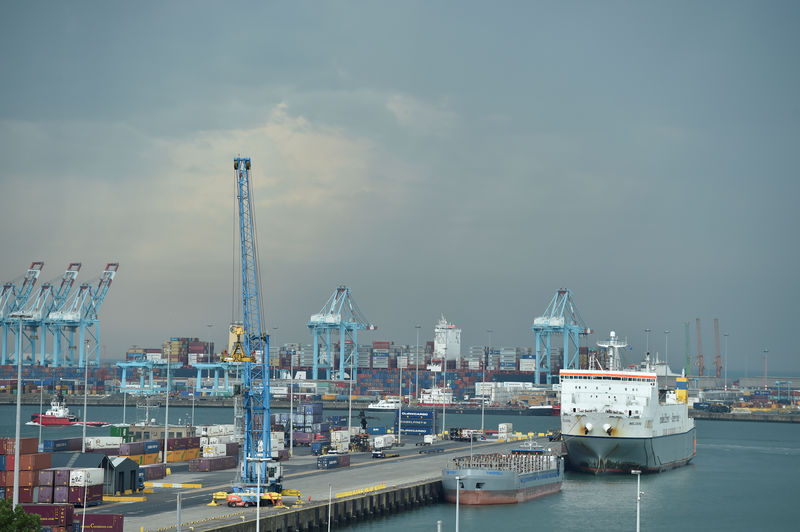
484	487
597	454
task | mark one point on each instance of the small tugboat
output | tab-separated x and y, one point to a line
58	415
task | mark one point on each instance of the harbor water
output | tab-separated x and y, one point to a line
743	478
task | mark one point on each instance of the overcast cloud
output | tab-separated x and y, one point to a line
456	158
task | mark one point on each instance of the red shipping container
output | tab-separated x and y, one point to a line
25	494
105	522
26	446
93	493
52	515
35	462
28	478
45	495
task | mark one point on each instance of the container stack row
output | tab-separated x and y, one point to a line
62	518
31	463
415	422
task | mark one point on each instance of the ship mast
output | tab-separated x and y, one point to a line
613	345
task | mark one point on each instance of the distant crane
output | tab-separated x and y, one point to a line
717	357
12	300
560	317
340	313
700	363
80	311
258	471
37	312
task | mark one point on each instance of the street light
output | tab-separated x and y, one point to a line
270	356
638	474
726	360
85	386
19	413
416	365
400	410
647	340
458	491
666	352
765	368
291	404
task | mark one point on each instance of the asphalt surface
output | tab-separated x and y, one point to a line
159	511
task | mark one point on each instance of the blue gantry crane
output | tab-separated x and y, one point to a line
80	312
36	313
12	301
259	472
340	313
560	317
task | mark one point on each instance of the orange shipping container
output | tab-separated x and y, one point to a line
34	462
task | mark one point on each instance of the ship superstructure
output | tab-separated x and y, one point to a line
617	420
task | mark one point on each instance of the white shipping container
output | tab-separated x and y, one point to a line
86	477
389	439
342	447
277	436
380	442
203	441
340	436
505	428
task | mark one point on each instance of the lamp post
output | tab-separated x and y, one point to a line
166	415
765	368
638	474
330	499
19	414
458	491
400	410
258	497
350	398
483	379
416	365
85	386
666	352
726	361
647	340
291	404
41	397
270	356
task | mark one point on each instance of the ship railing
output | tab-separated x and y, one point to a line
518	463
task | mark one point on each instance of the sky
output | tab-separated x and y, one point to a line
464	159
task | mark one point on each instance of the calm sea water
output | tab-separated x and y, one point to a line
745	477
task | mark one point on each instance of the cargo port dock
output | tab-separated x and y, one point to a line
368	487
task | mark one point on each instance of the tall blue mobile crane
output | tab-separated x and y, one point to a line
259	472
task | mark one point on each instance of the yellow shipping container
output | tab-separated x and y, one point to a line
191	454
136	458
329	397
149	459
175	456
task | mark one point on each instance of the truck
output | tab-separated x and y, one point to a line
271	483
462	434
383	454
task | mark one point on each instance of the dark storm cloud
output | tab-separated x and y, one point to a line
642	155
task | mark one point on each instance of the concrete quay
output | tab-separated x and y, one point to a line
383	486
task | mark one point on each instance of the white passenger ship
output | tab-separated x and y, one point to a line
616	420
